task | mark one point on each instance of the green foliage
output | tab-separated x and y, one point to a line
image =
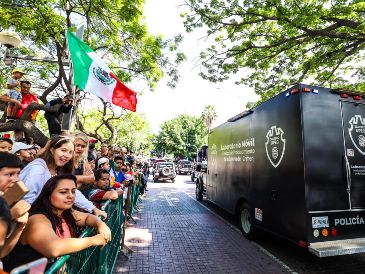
114	28
209	115
181	136
41	124
132	129
279	43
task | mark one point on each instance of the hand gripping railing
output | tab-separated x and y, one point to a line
94	259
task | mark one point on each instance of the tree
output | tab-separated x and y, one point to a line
279	43
115	29
129	129
209	115
181	136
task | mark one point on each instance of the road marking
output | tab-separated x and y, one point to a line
264	250
165	195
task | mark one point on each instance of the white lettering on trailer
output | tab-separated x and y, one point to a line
240	151
349	221
240	144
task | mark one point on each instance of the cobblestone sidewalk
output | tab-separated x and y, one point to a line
175	234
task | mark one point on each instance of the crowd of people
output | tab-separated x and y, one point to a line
68	182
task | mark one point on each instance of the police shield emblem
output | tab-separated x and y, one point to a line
275	145
357	133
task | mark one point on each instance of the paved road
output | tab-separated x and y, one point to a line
176	234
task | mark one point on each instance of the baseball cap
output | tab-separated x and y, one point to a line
18	70
103	161
19	146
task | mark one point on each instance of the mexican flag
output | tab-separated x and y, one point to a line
91	74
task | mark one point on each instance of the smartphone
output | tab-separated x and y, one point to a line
15	193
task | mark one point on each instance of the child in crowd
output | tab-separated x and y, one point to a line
101	191
91	160
103	163
6	144
22	151
13	86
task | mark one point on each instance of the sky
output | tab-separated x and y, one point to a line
192	92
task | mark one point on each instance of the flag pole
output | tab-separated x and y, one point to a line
67	121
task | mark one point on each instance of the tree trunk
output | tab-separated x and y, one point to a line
28	128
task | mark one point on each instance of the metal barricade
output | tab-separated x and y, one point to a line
94	259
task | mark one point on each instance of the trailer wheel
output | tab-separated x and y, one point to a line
245	219
198	192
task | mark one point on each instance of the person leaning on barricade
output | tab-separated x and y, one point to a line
52	227
101	191
56	159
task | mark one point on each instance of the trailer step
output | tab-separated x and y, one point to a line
339	247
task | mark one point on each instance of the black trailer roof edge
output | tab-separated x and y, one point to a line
240	115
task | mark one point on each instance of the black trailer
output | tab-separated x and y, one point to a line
294	166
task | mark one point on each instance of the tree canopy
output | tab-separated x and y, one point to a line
181	136
115	29
131	130
209	115
274	44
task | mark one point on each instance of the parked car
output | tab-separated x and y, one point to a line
184	167
164	171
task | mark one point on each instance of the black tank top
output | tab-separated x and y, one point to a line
22	254
80	169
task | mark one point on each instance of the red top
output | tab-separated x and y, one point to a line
66	230
27	99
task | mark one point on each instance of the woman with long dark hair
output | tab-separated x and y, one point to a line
52	227
57	158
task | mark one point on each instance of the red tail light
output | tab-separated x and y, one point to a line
344	95
302	243
357	97
306	90
294	90
333	231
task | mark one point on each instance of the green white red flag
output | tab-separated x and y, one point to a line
91	74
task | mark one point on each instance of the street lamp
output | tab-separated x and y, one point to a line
9	39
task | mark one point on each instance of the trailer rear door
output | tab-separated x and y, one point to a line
353	123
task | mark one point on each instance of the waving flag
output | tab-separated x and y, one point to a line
91	74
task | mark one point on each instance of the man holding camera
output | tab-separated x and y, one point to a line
54	118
